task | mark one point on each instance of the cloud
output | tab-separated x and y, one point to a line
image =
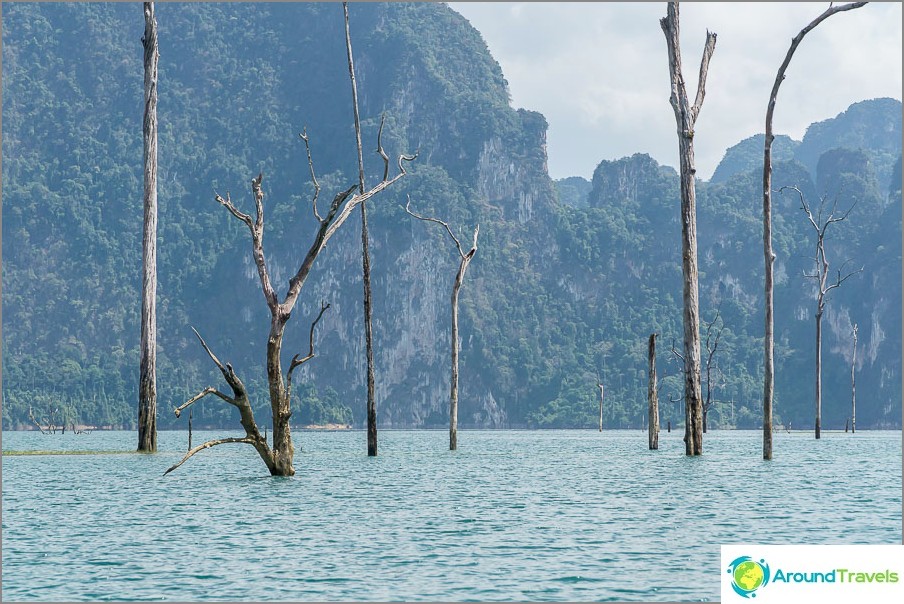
598	71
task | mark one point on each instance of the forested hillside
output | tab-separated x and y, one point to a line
569	280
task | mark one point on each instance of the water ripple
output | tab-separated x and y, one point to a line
540	516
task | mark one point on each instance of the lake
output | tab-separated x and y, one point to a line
512	515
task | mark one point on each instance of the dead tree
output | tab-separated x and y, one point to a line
769	255
854	383
365	256
713	337
31	416
602	392
147	382
820	223
652	395
278	459
466	258
686	117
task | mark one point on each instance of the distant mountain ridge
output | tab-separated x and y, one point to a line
565	287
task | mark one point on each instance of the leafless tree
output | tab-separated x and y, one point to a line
279	458
466	258
147	384
602	392
653	396
769	339
686	118
714	331
365	256
820	222
853	382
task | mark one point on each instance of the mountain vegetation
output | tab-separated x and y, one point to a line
571	279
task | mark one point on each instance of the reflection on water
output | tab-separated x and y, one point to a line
552	515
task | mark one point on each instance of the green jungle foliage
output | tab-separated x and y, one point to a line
569	280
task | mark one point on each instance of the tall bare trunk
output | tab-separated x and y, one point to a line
854	384
453	386
819	371
365	255
147	383
601	406
652	397
459	278
769	255
686	117
369	341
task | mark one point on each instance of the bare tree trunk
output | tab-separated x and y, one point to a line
686	117
769	255
147	383
601	405
189	429
854	383
652	396
459	278
819	372
365	256
453	382
369	340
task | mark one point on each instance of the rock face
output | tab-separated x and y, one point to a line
560	295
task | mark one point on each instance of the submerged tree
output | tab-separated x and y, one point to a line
147	381
686	117
466	258
653	396
853	382
365	256
769	255
279	457
711	343
820	223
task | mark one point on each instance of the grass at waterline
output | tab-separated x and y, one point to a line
13	453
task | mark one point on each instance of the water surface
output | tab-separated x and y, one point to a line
512	515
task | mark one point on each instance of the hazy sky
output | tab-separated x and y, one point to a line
599	72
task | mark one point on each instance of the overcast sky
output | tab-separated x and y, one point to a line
599	73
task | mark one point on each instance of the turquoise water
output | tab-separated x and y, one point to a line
551	515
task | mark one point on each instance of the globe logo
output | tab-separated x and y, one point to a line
748	575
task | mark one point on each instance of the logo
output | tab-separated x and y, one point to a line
748	575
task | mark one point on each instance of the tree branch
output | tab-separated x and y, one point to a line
257	236
209	390
258	202
444	224
226	370
227	203
708	49
301	361
380	149
307	146
209	444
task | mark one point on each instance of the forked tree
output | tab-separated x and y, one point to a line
279	455
820	222
147	379
466	258
686	117
769	255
